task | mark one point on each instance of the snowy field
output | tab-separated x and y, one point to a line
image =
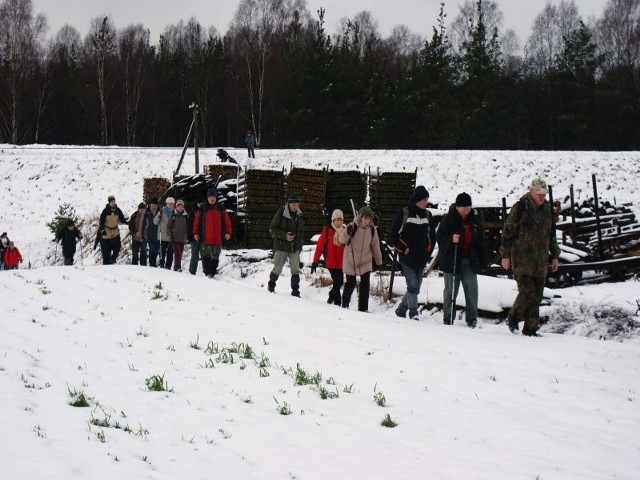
481	404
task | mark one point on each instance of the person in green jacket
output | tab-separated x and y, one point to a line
287	232
528	241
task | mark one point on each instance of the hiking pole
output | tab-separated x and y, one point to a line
453	287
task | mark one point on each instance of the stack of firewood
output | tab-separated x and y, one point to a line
389	192
260	195
154	187
310	185
342	187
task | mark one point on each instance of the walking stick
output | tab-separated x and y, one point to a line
453	288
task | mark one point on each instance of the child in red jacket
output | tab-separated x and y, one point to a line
332	251
12	257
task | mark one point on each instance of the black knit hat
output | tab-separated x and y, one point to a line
293	198
212	192
153	201
420	193
463	200
142	205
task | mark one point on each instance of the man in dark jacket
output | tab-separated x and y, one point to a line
109	231
194	245
69	237
287	232
463	255
211	226
413	236
528	241
137	231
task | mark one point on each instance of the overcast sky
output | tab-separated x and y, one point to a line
419	15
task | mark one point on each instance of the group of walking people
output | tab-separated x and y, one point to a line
159	234
529	249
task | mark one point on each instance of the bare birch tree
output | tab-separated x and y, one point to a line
100	47
135	55
20	44
255	30
550	28
617	33
463	26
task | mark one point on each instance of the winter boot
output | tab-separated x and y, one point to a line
401	311
414	315
512	323
472	323
295	285
530	333
271	286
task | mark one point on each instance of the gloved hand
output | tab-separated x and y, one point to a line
314	267
103	232
351	229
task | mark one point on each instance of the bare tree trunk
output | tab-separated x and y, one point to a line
100	50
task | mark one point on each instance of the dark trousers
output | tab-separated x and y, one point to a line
154	250
195	256
251	151
138	252
335	296
363	291
527	304
166	254
110	249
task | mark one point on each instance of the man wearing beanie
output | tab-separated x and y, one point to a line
109	231
413	236
463	255
211	226
137	230
528	240
287	232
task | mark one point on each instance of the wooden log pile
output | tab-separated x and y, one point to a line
154	187
619	227
342	187
311	186
260	195
388	192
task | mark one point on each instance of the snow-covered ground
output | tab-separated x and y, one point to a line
468	403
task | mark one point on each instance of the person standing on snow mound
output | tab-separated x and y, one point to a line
211	226
68	237
287	232
413	236
330	248
463	255
528	240
250	142
109	231
362	249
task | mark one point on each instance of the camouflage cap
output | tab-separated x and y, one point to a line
539	186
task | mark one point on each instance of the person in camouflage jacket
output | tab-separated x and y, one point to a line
528	241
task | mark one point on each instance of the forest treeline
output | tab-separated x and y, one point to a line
467	84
